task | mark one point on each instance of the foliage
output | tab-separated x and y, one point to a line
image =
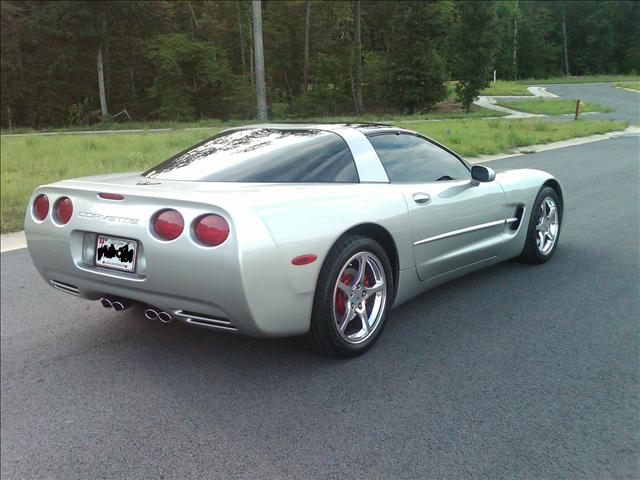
409	79
191	77
476	47
191	60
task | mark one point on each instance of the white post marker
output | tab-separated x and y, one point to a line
494	76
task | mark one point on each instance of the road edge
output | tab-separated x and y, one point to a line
12	241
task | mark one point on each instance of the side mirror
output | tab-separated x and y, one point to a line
480	173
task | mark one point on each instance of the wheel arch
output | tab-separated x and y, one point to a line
553	183
385	239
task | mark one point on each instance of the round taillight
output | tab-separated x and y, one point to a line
64	210
168	224
41	207
211	230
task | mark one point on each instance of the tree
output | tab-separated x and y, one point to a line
100	66
407	72
261	96
12	68
307	24
506	55
475	47
195	59
357	37
188	70
564	42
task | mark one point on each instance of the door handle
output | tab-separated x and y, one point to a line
422	198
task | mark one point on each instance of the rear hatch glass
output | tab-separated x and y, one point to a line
267	155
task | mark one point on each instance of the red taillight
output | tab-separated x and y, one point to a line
168	225
211	230
64	210
41	207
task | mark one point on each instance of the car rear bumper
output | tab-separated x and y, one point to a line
238	286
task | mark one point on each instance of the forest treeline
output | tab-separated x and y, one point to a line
195	59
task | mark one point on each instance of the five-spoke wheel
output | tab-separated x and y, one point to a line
359	297
544	227
354	292
547	225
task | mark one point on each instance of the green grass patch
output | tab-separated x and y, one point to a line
553	107
150	125
35	160
583	79
503	88
472	138
632	85
500	88
476	112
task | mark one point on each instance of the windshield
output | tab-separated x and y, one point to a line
263	155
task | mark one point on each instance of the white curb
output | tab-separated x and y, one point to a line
541	92
12	241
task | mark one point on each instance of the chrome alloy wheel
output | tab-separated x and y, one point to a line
547	226
359	297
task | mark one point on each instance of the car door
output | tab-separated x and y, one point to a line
455	221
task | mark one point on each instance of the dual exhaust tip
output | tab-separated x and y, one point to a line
153	314
117	304
120	304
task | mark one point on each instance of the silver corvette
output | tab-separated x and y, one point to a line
315	231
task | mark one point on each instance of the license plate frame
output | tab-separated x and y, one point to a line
115	261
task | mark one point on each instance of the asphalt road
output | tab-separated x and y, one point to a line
516	371
625	103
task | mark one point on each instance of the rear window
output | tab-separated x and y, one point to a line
263	155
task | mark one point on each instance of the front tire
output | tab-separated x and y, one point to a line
353	295
543	232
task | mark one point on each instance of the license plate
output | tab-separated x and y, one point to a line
117	253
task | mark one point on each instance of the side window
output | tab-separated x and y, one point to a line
408	158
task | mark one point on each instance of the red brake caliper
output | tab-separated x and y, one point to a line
340	299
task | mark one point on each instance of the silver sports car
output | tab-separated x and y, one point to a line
274	230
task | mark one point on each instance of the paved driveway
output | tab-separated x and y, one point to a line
625	103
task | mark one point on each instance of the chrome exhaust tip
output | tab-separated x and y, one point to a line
151	314
106	303
119	306
164	317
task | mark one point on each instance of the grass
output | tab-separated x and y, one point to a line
473	138
35	160
582	79
553	107
503	88
635	85
499	88
476	112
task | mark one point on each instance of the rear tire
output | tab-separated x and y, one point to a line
543	233
353	295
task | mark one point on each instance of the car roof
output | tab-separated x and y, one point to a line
364	127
